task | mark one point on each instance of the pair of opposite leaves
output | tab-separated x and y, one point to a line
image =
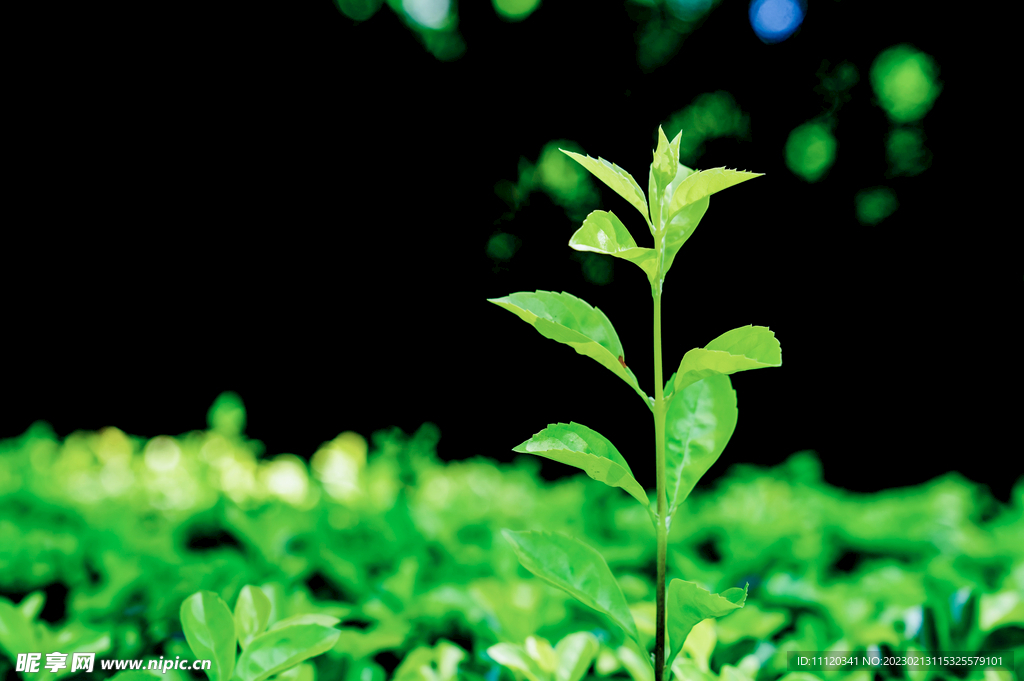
213	633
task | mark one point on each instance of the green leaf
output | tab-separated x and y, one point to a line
700	420
425	664
748	347
688	604
616	178
666	159
577	569
252	612
575	652
32	604
301	672
284	647
704	183
576	445
540	651
515	658
17	635
306	618
565	318
210	631
603	232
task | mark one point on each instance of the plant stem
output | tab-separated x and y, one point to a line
661	529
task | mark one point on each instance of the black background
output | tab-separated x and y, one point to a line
285	203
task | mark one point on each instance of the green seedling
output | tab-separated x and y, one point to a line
281	649
694	411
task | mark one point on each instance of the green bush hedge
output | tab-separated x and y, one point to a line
406	551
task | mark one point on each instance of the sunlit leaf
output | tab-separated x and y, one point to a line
742	349
704	183
603	232
688	604
210	631
252	612
577	569
666	159
565	318
515	658
576	445
576	652
279	649
616	178
700	420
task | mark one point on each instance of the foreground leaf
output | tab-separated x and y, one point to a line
703	184
666	159
700	420
742	349
565	318
688	604
616	178
210	631
252	612
280	649
577	569
603	232
576	445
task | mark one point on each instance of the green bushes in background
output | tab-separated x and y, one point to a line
403	550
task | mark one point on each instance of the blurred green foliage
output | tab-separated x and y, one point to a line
811	150
875	204
905	81
906	152
406	550
710	116
564	181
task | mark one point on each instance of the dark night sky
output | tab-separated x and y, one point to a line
284	203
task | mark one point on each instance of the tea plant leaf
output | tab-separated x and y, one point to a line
666	159
688	604
748	347
567	319
575	654
700	420
440	663
284	647
17	635
682	224
616	178
515	658
576	445
303	672
252	612
704	183
603	232
577	569
306	618
541	651
210	631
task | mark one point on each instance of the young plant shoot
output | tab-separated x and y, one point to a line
694	411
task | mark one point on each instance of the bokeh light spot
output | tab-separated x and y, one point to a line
875	204
711	115
906	82
906	152
227	414
775	20
360	10
515	10
428	13
811	151
503	246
